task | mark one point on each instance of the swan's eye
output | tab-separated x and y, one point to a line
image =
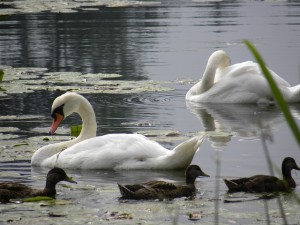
58	110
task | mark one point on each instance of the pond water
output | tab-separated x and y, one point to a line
167	42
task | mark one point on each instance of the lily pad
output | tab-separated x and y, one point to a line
75	130
138	124
20	144
66	6
8	136
159	133
101	76
116	216
20	80
195	216
38	199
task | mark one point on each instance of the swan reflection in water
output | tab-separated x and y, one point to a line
246	121
96	177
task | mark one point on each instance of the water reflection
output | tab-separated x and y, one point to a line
245	121
148	41
125	176
111	111
17	170
108	40
164	42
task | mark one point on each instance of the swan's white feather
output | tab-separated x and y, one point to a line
112	151
238	83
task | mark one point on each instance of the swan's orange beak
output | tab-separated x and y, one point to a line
55	122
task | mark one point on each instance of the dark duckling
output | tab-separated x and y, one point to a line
265	183
11	190
163	190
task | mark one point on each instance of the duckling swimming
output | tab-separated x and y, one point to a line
161	189
11	190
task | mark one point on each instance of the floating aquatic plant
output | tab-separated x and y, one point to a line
67	6
75	130
25	80
37	199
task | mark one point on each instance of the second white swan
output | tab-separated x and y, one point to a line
112	151
238	83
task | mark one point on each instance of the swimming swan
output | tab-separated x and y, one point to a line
238	83
112	151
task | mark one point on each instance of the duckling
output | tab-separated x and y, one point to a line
12	190
265	183
161	189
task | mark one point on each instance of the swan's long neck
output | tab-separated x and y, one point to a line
89	129
47	151
218	60
89	124
208	78
205	83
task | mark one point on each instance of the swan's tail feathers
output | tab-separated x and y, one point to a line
182	155
125	192
294	94
192	143
199	142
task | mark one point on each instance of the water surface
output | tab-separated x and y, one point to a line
170	41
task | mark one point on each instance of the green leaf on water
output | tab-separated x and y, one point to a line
75	130
2	89
38	199
20	144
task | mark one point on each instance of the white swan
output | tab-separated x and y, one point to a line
112	151
238	83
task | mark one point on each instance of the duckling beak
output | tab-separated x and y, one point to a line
70	180
203	174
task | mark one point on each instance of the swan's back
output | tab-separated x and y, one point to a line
241	83
108	151
246	69
113	151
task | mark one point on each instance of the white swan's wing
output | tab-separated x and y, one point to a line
241	83
247	68
235	70
113	151
108	151
242	89
279	80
